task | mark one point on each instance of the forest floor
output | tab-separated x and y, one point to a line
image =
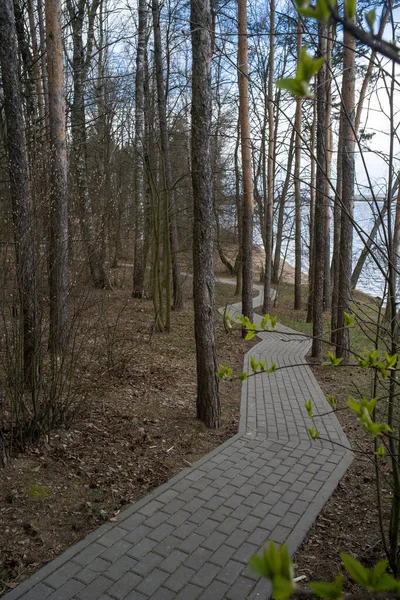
135	430
349	520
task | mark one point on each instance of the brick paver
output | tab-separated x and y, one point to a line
193	536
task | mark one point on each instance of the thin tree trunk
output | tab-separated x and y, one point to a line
239	209
166	158
328	154
395	259
297	186
348	172
79	140
207	402
36	63
367	78
270	165
319	222
248	207
22	209
281	213
309	317
43	64
360	105
139	264
58	259
337	213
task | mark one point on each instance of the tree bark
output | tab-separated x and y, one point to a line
239	209
22	209
139	264
319	222
348	172
58	247
248	207
80	64
337	212
297	186
166	161
270	165
360	105
36	63
309	316
207	402
328	163
281	212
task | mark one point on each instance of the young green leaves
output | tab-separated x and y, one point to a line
371	359
224	372
308	407
364	409
373	580
275	565
332	591
313	433
320	11
262	365
307	67
333	361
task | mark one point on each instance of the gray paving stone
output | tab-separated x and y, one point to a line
216	591
95	588
173	561
63	574
198	557
192	537
230	572
142	548
189	592
88	554
121	566
152	582
124	585
245	552
191	542
179	578
241	589
40	591
205	575
69	590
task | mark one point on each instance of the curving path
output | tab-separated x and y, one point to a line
192	537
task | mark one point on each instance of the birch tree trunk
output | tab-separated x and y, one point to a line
22	209
207	402
348	172
58	247
248	207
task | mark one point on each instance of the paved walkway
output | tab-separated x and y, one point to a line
192	537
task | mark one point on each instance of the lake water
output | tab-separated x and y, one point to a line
371	280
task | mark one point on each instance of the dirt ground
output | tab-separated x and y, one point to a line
349	521
136	430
